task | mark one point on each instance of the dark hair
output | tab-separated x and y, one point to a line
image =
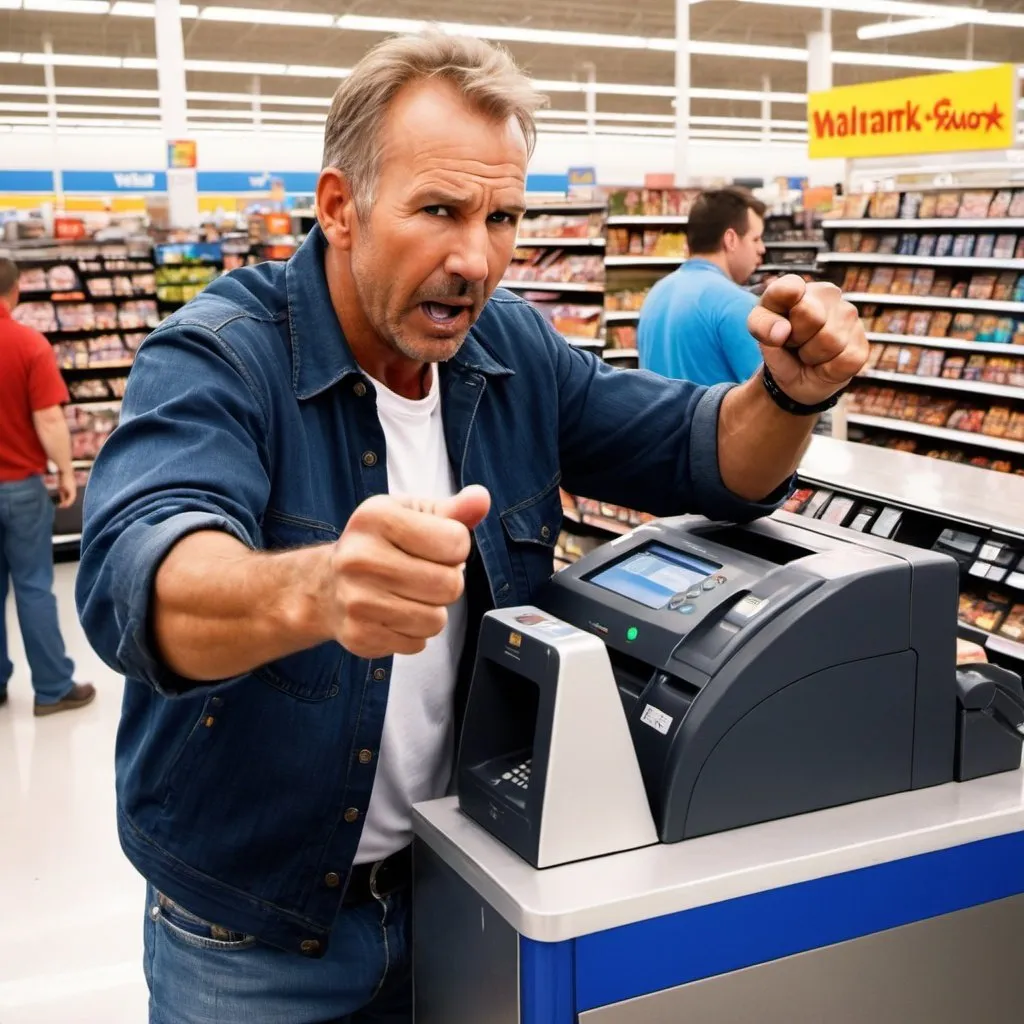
8	275
717	210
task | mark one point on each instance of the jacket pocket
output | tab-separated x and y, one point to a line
313	674
531	531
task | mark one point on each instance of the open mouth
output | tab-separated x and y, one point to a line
442	314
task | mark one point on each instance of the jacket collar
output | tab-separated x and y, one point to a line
320	354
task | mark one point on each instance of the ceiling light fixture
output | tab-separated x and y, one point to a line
267	16
911	26
67	6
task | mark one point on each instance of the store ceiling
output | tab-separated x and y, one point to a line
712	22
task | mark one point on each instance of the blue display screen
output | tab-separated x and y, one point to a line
654	575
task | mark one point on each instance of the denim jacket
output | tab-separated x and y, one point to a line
246	412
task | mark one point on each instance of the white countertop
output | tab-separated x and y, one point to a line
953	490
590	896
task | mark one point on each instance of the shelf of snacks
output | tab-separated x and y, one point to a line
662	206
583	227
1014	305
801	244
619	316
964	207
952	344
644	261
528	241
968	437
787	268
179	283
975	385
643	222
574	321
546	286
931	223
566	206
967	262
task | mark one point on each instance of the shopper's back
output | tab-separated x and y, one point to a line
693	325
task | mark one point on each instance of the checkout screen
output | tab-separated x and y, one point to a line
653	575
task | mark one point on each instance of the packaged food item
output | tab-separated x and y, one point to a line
1016	204
943	285
926	245
924	278
1015	374
941	321
911	205
909	359
888	244
1013	625
863	279
798	499
884	205
931	362
883	281
1000	204
996	370
963	327
986	328
986	612
929	205
896	321
967	418
947	204
963	245
76	316
975	204
919	322
62	278
874	354
855	206
847	241
984	246
105	314
900	283
1018	253
1002	287
1018	290
936	411
959	289
953	366
1004	247
981	286
997	419
850	279
944	245
1015	429
974	367
40	316
890	359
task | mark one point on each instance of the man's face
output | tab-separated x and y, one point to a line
745	252
442	227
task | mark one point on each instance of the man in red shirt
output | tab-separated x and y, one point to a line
32	428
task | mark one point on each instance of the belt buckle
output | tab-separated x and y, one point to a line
373	880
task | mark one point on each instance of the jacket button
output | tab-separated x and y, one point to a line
309	946
545	532
369	458
380	675
352	815
365	756
332	880
359	389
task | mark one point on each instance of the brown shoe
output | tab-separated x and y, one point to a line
80	695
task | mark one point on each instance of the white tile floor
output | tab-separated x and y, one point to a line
71	906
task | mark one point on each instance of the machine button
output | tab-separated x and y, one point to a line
369	458
332	880
687	609
693	593
676	600
710	584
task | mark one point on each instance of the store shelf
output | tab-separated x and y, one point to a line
623	220
934	302
92	371
67	538
621	316
975	387
562	243
791	243
966	262
941	433
568	206
787	268
593	288
992	224
953	344
644	261
621	353
1003	645
580	341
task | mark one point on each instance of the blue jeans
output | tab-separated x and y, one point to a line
199	974
26	557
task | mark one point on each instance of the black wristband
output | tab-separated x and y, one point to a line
787	404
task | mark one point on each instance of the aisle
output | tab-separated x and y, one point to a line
70	905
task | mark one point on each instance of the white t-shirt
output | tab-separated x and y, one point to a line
415	760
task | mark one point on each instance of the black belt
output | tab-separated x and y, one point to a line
379	879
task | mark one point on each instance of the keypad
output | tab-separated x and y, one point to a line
520	775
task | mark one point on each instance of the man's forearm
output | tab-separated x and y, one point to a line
759	445
221	610
55	438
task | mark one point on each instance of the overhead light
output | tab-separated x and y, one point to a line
715	49
71	60
748	122
9	58
247	97
139	63
753	95
267	16
906	9
911	26
905	60
582	115
68	6
313	71
235	67
10	5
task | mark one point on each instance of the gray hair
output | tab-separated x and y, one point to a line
486	75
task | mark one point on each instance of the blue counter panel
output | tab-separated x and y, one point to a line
546	982
649	956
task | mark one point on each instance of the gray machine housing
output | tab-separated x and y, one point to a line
815	667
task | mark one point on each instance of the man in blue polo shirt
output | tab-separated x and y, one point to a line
693	325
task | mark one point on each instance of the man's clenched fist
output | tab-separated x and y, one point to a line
811	339
387	582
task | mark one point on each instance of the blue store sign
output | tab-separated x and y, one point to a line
109	182
26	181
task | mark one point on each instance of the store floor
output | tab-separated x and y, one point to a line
71	906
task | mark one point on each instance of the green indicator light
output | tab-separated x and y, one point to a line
632	633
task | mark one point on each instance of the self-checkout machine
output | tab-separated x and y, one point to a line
712	777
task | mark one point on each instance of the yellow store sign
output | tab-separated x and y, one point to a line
927	114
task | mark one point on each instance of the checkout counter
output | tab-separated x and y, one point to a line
729	774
